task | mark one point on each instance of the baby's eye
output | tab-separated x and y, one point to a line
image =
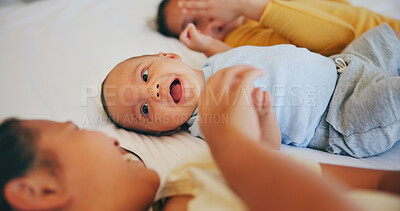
145	109
145	75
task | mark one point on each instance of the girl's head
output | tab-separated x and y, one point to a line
172	21
151	94
56	166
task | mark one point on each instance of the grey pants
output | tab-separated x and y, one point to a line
363	117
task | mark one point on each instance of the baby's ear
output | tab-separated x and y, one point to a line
170	55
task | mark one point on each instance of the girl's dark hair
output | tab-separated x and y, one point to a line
17	153
161	24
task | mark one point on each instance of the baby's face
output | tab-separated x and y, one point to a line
88	160
152	93
177	21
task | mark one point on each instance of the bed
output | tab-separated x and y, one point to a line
55	53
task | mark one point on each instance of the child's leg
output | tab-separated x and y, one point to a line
359	178
370	118
363	118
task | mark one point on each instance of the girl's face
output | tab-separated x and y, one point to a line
94	170
177	21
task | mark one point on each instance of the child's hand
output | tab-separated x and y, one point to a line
195	40
224	10
226	107
270	132
262	101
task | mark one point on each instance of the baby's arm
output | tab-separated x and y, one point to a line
195	40
260	176
270	133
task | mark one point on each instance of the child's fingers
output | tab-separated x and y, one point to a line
262	101
268	100
195	8
247	77
184	36
244	78
266	104
197	13
231	75
193	32
244	82
244	87
227	77
238	77
194	5
188	34
258	97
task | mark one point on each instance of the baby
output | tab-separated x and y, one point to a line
322	26
342	104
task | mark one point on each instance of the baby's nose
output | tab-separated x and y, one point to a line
154	91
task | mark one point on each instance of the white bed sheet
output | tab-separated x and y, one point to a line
55	53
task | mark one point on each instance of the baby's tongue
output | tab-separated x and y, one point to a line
176	92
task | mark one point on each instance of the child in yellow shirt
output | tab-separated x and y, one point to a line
322	26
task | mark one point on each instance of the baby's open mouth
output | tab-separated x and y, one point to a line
175	89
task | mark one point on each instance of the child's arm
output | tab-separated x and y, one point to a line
270	133
195	40
224	10
294	21
263	178
359	178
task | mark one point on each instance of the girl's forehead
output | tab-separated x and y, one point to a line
48	126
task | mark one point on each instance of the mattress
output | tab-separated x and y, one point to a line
53	60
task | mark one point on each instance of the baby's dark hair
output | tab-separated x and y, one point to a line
161	23
104	104
17	153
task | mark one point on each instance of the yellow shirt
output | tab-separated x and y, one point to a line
200	177
322	26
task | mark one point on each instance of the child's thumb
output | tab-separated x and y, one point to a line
185	36
193	32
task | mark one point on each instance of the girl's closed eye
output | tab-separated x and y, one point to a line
145	110
145	74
